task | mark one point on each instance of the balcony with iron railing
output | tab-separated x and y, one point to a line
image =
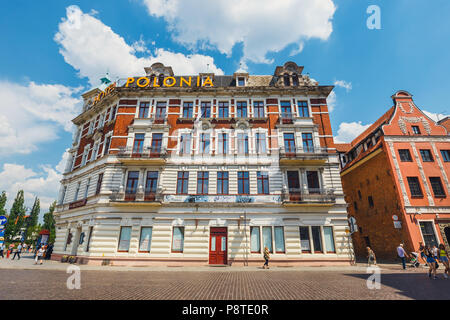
145	155
303	155
310	196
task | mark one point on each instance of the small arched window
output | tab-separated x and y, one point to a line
295	80
287	81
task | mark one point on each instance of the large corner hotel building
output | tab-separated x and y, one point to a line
208	169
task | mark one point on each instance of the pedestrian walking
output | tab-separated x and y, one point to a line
443	258
422	253
431	262
2	248
371	258
266	258
39	255
18	251
402	255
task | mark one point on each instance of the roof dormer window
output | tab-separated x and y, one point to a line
241	81
161	79
286	80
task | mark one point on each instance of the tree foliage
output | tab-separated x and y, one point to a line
16	216
32	220
2	204
49	222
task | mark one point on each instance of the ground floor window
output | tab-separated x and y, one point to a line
255	242
429	237
317	238
279	239
124	239
178	239
267	238
329	239
305	243
145	239
268	235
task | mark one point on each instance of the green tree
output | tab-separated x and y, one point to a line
33	233
49	222
32	220
16	216
2	204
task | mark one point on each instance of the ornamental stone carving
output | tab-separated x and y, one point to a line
402	123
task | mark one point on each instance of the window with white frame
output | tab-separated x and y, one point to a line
271	236
204	142
185	143
428	234
145	240
260	142
77	191
86	191
258	109
124	239
178	239
242	143
222	147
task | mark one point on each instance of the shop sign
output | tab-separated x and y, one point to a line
144	82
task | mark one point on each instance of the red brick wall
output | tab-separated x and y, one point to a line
375	178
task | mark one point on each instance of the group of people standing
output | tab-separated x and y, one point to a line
43	251
434	255
431	255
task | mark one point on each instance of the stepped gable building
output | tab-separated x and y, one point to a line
395	178
204	169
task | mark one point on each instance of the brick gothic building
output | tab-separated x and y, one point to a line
204	169
395	178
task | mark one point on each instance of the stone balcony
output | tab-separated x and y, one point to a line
301	156
308	197
144	156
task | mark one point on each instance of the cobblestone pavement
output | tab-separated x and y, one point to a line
230	284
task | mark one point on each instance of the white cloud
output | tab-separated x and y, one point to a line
262	26
343	84
43	184
435	116
93	48
331	101
349	130
34	113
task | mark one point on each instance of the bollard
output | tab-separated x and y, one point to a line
7	254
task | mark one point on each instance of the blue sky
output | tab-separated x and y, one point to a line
43	75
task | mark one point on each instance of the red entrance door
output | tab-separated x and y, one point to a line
218	246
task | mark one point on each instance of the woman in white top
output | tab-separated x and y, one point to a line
39	255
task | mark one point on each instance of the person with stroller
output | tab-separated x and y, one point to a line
431	261
415	260
443	258
371	258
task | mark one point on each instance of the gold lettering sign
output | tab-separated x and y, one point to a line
103	94
143	82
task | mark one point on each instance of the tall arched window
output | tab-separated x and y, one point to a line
295	80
